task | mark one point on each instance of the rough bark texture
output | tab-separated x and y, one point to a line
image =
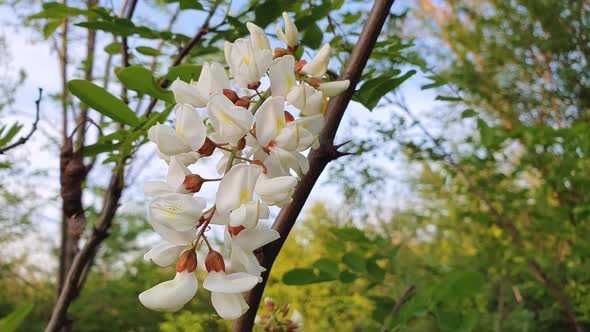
318	159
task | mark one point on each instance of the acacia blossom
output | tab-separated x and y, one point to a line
260	140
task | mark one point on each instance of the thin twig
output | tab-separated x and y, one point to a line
406	296
25	138
318	159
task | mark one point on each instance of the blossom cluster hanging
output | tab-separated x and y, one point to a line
261	146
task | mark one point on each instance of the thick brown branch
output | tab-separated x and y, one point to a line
88	252
25	138
318	159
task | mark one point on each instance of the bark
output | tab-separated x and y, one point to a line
318	159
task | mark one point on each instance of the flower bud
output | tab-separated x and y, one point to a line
193	183
187	261
254	86
214	262
242	143
207	148
319	65
231	95
315	82
258	37
289	117
331	89
289	36
299	66
234	231
279	52
291	326
243	102
269	303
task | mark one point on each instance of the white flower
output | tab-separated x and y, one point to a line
188	137
164	253
174	216
171	295
246	63
282	75
270	119
275	191
319	65
174	183
290	35
225	292
280	162
231	122
212	79
248	214
307	99
237	187
331	89
243	245
258	37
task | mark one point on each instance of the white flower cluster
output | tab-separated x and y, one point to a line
261	146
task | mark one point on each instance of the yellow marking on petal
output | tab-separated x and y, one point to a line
225	118
246	60
280	123
244	197
179	132
290	82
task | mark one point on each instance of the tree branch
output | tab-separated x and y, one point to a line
25	138
552	287
318	159
406	296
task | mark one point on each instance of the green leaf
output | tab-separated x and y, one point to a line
350	234
468	113
140	79
190	4
56	10
103	102
11	322
448	98
113	48
327	267
95	149
146	50
355	262
465	284
347	277
373	90
374	270
185	72
305	277
14	129
313	36
50	27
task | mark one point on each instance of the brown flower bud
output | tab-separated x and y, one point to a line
214	261
242	143
299	66
207	148
187	261
291	326
243	103
231	95
261	164
235	230
193	183
315	81
279	52
253	86
289	117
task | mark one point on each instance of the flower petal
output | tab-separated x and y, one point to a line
189	126
237	187
230	283
171	295
254	238
229	306
164	253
